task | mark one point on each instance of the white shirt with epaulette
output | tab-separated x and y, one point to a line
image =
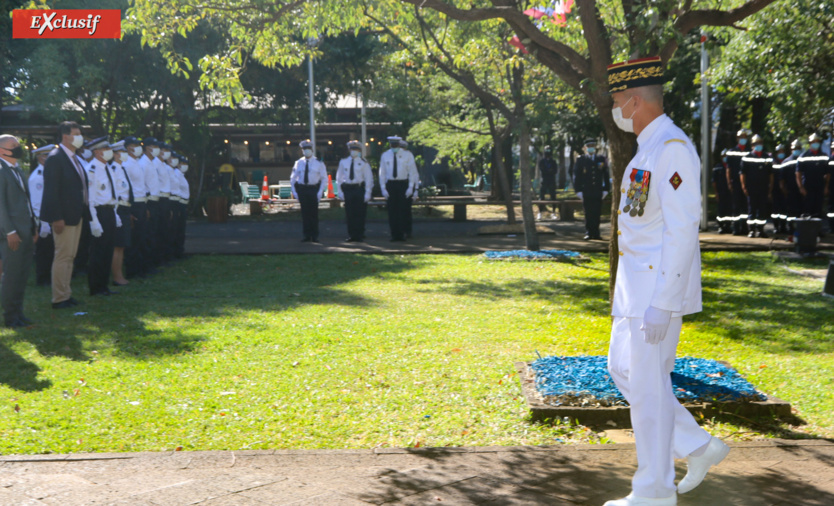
659	217
362	174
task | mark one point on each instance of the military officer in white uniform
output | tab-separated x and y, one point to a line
45	247
308	181
398	179
356	182
136	256
182	216
104	217
658	281
148	163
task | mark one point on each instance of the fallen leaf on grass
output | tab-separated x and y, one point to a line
178	449
16	408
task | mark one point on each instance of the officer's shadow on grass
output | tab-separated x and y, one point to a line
18	373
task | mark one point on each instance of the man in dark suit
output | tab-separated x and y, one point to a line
17	229
65	207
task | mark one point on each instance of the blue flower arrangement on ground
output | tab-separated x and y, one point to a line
545	254
584	381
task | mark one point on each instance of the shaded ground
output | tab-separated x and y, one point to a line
757	473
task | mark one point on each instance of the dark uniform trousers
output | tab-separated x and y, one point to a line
44	253
179	232
779	206
82	255
724	216
151	245
355	210
136	255
397	207
16	267
409	215
308	197
163	241
739	198
548	188
592	200
101	251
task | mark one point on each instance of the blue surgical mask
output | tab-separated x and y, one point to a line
815	146
591	151
780	156
354	153
742	142
724	159
307	152
395	150
758	148
796	152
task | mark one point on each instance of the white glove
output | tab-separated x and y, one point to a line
96	228
604	194
385	194
294	196
408	193
45	230
340	196
655	324
118	221
579	194
367	198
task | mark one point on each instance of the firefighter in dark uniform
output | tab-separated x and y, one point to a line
734	157
548	169
723	195
793	199
757	183
812	177
592	184
778	210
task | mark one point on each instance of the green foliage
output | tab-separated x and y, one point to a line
361	351
787	57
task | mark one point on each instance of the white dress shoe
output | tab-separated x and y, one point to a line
633	500
697	467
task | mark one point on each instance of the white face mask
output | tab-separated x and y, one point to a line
77	141
355	153
395	150
173	162
86	154
137	151
166	155
624	124
184	168
118	157
107	154
154	151
307	152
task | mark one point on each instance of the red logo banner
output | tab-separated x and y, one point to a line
67	24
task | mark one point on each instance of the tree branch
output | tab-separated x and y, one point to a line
690	20
452	126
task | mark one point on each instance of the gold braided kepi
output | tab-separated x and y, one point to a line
635	73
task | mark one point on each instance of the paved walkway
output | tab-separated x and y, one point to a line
774	472
259	237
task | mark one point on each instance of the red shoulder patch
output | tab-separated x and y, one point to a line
676	180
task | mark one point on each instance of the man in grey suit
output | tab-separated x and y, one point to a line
17	230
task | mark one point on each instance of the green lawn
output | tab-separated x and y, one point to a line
357	351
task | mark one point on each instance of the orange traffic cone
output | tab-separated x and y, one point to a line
265	190
330	193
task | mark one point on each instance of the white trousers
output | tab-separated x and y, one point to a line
663	429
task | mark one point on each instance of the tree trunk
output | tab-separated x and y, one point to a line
500	176
531	238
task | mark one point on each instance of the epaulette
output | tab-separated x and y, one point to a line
675	140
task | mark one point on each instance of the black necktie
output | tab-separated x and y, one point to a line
129	186
351	170
306	172
395	166
109	178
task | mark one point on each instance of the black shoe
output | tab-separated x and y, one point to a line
119	284
763	234
596	238
315	240
408	236
73	301
307	239
15	324
351	239
398	239
110	292
63	304
25	320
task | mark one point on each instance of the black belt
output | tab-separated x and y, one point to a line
109	206
307	185
353	185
